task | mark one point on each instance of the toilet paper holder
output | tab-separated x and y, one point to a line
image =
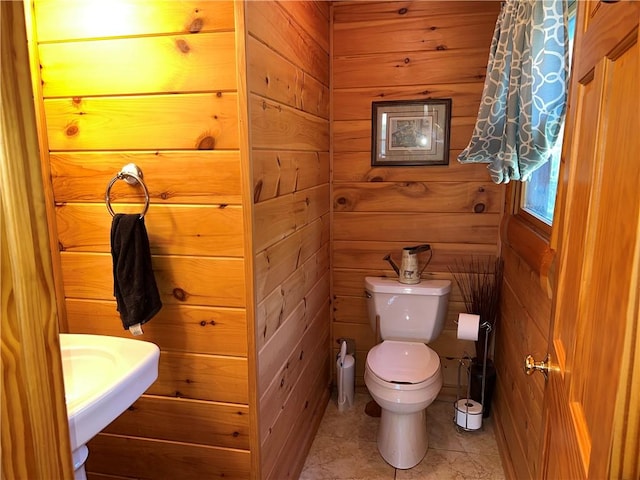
468	414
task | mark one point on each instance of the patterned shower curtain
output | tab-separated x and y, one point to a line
525	90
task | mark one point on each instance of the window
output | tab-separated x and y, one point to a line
538	196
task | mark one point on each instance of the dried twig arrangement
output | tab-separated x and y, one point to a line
480	282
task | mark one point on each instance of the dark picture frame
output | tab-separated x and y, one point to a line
410	132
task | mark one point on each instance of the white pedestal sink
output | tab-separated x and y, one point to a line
103	376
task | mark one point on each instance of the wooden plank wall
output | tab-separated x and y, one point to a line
400	51
524	329
288	83
155	83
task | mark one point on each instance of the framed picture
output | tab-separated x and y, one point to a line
410	132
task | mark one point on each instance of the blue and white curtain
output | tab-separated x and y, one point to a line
525	90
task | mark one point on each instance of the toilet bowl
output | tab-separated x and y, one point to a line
402	373
404	378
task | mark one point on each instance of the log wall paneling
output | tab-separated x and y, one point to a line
189	64
288	82
443	33
150	458
277	173
189	421
404	51
197	176
380	11
357	101
276	28
524	327
356	167
160	17
180	279
206	121
214	229
162	93
291	372
273	77
177	327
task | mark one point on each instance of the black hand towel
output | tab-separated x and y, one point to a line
134	284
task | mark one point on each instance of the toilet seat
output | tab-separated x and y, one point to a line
403	363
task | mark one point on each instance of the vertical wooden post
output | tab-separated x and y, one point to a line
35	434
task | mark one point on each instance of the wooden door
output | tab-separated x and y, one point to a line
596	290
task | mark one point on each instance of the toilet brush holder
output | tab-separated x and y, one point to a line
346	369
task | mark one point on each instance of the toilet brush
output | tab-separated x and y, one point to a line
342	397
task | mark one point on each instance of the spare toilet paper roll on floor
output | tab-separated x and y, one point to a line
468	326
468	414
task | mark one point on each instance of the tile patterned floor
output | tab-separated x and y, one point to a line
345	448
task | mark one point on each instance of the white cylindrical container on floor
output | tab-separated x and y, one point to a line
346	381
468	414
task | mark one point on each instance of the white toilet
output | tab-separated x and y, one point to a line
403	374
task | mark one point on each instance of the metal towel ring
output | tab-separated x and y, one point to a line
131	174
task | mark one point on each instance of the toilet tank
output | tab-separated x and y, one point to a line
407	312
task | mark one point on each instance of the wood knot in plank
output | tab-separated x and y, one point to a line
72	130
196	25
182	45
180	294
441	47
403	11
412	189
377	178
479	207
206	142
342	203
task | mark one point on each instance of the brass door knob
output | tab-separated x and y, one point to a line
530	366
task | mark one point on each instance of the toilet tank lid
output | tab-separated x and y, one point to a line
392	285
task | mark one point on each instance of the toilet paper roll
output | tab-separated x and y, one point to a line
468	326
468	414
